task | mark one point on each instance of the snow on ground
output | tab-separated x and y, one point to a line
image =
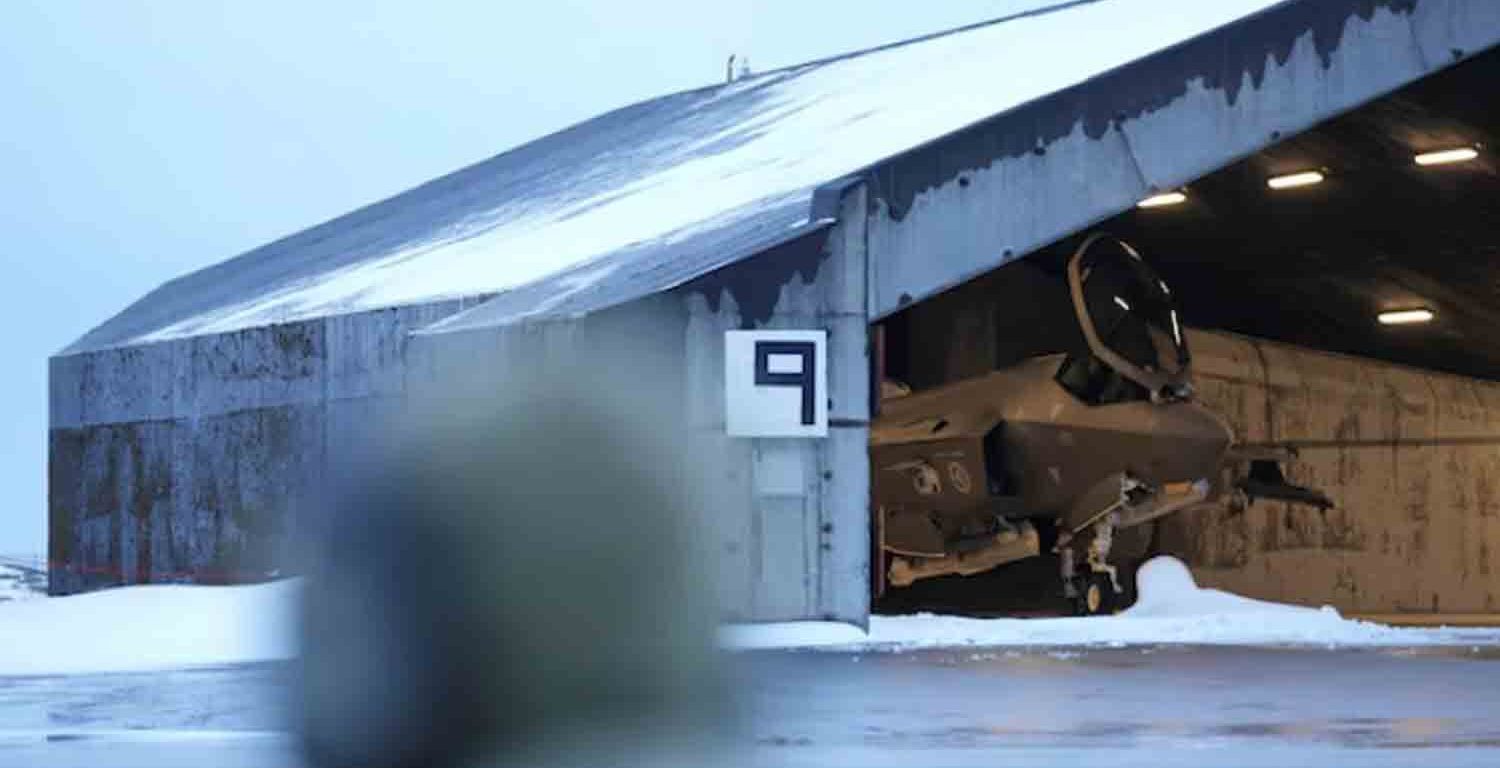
18	583
1172	609
146	628
132	629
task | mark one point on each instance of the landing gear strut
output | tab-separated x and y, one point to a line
1094	589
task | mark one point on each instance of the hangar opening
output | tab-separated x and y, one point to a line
1337	297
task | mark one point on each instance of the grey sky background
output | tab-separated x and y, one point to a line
142	140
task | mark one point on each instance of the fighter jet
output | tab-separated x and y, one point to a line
1057	452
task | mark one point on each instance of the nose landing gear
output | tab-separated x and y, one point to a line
1100	596
1094	589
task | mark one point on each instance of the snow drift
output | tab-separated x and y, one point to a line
1172	609
145	628
133	629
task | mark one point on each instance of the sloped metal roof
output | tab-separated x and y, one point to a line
654	194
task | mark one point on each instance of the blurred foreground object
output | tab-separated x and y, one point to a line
514	584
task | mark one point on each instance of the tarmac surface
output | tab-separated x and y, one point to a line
1156	706
1149	706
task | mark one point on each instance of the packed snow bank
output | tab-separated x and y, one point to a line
1171	609
1167	590
134	629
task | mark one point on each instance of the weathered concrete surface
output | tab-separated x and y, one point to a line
197	460
1410	458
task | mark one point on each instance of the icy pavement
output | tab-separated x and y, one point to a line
231	716
1143	706
1171	609
244	698
1147	706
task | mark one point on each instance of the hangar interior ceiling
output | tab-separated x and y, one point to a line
1315	265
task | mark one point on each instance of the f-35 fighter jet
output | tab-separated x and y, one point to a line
1059	451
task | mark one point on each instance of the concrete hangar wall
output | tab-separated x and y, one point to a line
187	434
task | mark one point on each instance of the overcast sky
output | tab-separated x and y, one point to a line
142	140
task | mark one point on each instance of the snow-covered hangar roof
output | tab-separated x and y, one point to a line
609	195
655	194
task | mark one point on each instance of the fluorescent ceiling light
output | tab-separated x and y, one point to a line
1443	157
1303	179
1405	316
1163	199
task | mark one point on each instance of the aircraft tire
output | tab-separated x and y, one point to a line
1096	595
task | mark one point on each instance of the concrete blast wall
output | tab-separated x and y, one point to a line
1411	458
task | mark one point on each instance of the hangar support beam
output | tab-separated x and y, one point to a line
846	453
791	513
